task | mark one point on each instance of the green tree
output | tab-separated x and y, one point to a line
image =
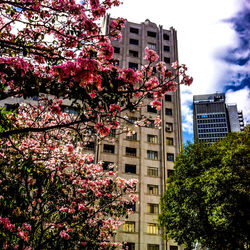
208	198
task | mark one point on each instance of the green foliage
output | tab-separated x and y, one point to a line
208	197
5	123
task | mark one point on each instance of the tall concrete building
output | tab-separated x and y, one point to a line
148	154
213	118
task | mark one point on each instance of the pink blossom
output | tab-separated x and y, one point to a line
63	209
23	235
156	104
161	67
114	108
81	207
102	129
128	75
27	226
56	109
107	50
114	124
70	148
157	121
72	210
150	55
64	235
174	65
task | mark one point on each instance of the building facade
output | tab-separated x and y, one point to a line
148	154
213	119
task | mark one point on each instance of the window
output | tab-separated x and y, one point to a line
152	189
130	151
153	138
129	246
173	247
169	127
151	123
133	137
68	110
170	141
170	157
152	171
152	228
129	227
133	53
151	109
168	98
107	165
134	41
170	172
131	206
109	148
34	98
134	30
152	155
151	34
132	119
90	146
153	247
166	59
166	48
130	168
133	66
117	50
168	111
166	37
151	46
116	62
152	208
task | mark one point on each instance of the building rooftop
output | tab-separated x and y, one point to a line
216	97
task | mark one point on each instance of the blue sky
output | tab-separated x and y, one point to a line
213	41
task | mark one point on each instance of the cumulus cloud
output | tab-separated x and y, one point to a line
242	99
186	110
235	78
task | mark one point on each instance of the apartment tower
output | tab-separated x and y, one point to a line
148	154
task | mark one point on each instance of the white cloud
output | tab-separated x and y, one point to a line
186	110
242	99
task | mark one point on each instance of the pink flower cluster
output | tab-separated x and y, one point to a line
156	104
114	108
129	76
115	28
64	235
7	224
150	55
102	129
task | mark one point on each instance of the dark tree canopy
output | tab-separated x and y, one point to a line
208	199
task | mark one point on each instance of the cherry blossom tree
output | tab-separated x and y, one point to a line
52	195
